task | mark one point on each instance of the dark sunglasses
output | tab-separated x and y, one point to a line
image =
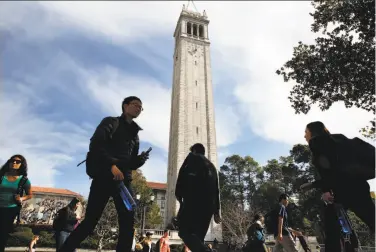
16	161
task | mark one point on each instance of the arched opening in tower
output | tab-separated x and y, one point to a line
195	30
189	28
201	31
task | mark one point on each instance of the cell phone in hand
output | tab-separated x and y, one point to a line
149	150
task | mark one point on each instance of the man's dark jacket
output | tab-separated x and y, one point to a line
198	182
120	149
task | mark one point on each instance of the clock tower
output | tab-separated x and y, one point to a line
192	107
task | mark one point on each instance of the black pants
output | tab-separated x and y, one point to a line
194	222
100	192
7	217
360	202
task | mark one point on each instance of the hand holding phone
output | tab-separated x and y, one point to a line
149	150
145	154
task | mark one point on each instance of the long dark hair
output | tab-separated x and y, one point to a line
73	203
6	167
318	129
71	207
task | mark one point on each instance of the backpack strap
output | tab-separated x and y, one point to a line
112	128
21	184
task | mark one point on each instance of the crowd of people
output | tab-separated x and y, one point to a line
114	153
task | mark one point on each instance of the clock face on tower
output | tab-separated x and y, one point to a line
195	50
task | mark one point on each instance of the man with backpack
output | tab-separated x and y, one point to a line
282	232
112	156
197	190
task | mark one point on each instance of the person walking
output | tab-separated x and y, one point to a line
256	235
112	156
197	190
283	233
65	222
339	161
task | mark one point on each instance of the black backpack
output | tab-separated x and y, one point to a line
271	221
355	157
91	167
158	245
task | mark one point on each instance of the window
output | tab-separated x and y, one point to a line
196	63
201	31
162	213
196	105
163	198
197	130
195	30
163	204
196	83
189	28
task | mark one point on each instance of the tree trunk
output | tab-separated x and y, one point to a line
100	244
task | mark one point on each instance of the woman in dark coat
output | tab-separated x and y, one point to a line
353	193
65	222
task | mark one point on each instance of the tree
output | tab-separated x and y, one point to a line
140	186
235	222
237	177
153	216
107	227
341	65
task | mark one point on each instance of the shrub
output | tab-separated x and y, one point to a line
20	237
46	239
89	243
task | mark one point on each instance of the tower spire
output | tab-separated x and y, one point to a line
193	4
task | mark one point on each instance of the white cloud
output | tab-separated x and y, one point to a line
45	144
227	125
155	169
254	39
110	86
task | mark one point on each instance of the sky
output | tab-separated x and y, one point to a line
66	65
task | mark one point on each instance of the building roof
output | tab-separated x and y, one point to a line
59	191
157	185
50	190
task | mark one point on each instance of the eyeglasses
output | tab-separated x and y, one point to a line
16	161
137	106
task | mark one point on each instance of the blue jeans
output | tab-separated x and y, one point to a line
61	237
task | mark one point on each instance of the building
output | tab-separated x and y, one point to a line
192	107
44	204
159	191
47	200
